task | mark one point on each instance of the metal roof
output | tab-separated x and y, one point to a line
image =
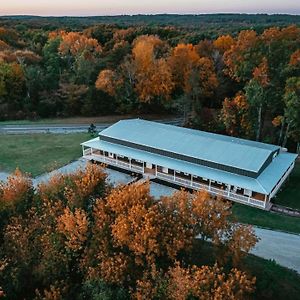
263	184
229	151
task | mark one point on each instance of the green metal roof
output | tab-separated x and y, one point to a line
224	150
263	184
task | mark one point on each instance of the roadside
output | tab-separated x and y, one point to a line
72	125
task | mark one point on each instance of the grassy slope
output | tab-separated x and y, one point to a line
255	216
290	195
38	153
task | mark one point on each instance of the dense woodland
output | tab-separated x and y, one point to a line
76	237
234	74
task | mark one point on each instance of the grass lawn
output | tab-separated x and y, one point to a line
39	153
250	215
290	194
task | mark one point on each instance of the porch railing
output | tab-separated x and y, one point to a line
112	161
218	192
175	179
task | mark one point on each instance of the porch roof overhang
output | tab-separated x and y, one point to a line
262	184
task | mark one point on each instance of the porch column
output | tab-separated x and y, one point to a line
229	188
91	151
116	159
209	184
191	180
155	170
174	176
82	150
265	203
143	167
129	163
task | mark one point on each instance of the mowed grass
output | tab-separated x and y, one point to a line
39	153
290	194
250	215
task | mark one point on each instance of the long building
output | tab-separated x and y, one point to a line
240	170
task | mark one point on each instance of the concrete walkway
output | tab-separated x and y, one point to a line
283	247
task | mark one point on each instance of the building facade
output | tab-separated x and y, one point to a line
240	170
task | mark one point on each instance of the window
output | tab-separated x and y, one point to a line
165	170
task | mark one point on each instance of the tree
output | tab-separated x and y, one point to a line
292	110
72	95
193	75
224	42
152	73
256	94
106	82
207	283
235	116
12	89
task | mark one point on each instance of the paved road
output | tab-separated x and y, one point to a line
67	128
283	247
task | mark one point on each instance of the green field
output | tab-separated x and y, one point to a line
39	153
250	215
290	194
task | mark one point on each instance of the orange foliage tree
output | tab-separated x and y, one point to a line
152	73
224	42
207	283
79	231
106	82
235	116
192	74
133	234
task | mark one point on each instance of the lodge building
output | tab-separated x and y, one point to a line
240	170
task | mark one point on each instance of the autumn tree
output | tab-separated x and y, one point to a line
133	234
224	43
47	241
106	82
192	74
152	72
207	283
257	96
235	116
12	89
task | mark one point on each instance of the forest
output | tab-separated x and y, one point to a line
231	74
77	237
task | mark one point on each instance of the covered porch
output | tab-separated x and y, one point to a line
178	177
